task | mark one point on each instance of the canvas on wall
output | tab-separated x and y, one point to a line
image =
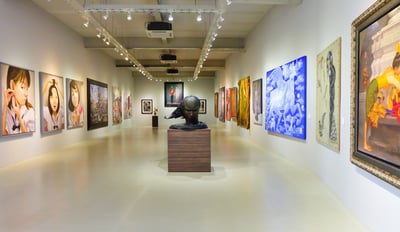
51	102
234	102
257	101
117	105
285	101
75	108
97	99
228	114
328	96
128	106
18	100
243	116
221	104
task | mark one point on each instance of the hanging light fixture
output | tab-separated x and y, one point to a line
105	16
198	19
129	17
170	17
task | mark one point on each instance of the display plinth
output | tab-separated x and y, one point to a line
154	121
189	151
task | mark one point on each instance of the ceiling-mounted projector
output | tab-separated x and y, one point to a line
168	59
159	29
172	71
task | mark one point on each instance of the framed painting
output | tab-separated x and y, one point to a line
13	79
328	96
257	101
376	91
128	107
147	106
221	104
216	104
203	106
243	117
51	103
227	104
234	102
97	99
285	102
173	93
75	112
116	105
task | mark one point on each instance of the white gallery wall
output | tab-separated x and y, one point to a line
32	39
150	89
285	34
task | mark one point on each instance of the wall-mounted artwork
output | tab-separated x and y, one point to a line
128	107
216	104
147	106
173	93
234	102
75	108
97	98
257	101
221	104
227	104
18	99
51	102
243	118
328	96
375	102
203	106
285	104
116	105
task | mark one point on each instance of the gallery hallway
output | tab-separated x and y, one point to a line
121	183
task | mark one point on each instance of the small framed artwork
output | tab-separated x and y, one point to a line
216	104
257	101
116	105
147	106
97	101
173	93
74	103
51	102
375	106
203	106
13	78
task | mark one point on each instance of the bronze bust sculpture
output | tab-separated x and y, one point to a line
188	109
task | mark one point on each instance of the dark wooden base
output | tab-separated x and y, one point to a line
189	151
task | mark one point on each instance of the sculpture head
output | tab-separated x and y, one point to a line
191	106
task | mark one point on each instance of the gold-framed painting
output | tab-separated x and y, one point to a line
328	96
243	116
375	94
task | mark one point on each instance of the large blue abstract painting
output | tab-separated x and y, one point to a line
285	104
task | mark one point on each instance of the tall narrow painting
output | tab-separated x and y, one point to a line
376	91
128	106
285	104
97	104
243	118
228	113
18	99
117	105
328	96
75	108
257	101
216	104
234	102
51	103
221	104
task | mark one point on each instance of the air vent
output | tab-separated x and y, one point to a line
172	71
159	30
168	59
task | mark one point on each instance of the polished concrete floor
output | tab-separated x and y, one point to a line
121	183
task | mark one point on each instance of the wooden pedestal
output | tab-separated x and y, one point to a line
189	151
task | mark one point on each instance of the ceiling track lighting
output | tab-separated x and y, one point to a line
105	16
199	18
170	17
129	16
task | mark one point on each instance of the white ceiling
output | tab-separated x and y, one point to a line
240	17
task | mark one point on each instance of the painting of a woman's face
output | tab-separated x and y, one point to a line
53	100
74	97
21	91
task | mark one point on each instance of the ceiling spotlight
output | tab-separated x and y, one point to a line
86	24
228	2
105	16
170	17
129	17
198	19
98	35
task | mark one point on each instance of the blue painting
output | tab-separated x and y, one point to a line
285	104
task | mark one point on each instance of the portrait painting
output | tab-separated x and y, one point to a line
257	101
97	98
116	105
51	102
376	91
128	106
285	99
203	106
243	116
147	106
173	93
18	100
234	102
227	104
75	107
328	96
221	104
